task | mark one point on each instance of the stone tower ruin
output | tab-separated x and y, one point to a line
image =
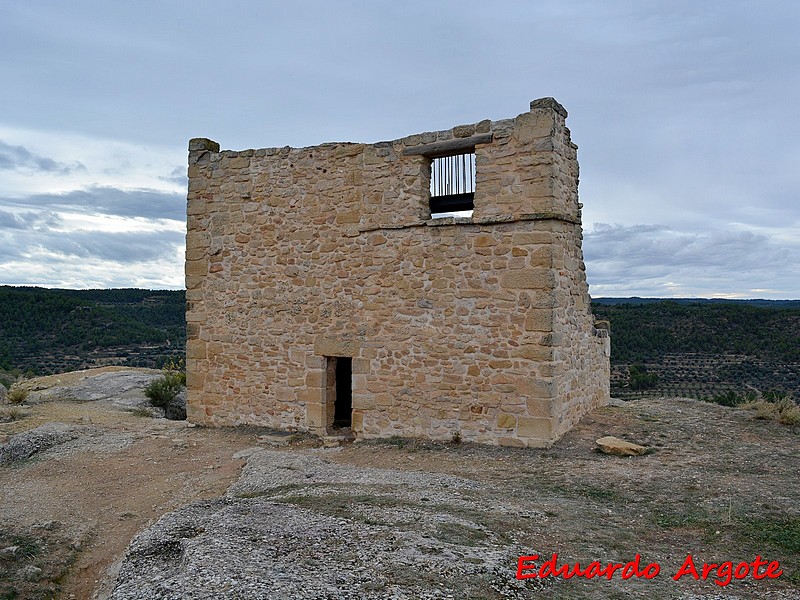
342	287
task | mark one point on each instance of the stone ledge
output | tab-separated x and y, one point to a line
491	220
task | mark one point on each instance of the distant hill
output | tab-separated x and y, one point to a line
703	348
754	302
687	347
49	331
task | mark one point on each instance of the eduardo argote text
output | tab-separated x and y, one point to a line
531	567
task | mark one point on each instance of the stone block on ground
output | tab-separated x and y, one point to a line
613	445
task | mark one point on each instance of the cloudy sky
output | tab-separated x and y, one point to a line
685	113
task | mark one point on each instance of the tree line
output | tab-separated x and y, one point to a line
646	332
46	331
39	326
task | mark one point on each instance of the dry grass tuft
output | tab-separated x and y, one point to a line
11	413
783	409
790	416
17	395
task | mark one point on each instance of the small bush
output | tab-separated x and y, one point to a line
17	395
775	406
731	398
765	411
784	404
176	367
163	389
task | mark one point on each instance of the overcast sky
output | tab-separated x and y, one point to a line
685	114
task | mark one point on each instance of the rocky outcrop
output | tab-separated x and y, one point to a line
175	409
24	445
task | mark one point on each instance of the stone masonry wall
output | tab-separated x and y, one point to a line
479	326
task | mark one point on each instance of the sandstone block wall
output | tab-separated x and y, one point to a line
479	326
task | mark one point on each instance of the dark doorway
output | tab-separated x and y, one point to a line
343	406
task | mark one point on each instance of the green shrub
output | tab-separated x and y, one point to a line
640	379
163	389
731	398
778	396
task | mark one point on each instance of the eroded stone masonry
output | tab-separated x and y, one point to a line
323	297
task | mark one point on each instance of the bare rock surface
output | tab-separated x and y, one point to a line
26	444
301	526
121	388
54	440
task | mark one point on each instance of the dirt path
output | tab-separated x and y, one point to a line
89	502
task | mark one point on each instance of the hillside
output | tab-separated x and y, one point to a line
692	347
703	349
51	331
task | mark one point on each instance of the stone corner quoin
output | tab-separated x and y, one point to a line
322	296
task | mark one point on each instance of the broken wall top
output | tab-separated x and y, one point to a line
526	169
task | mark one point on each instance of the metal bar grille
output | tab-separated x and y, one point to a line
453	175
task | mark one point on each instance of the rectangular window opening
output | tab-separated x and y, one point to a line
453	185
339	392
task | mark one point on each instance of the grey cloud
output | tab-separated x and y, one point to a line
29	220
32	232
661	245
14	158
659	260
118	247
126	248
111	201
178	175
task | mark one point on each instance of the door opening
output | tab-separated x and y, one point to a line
340	391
